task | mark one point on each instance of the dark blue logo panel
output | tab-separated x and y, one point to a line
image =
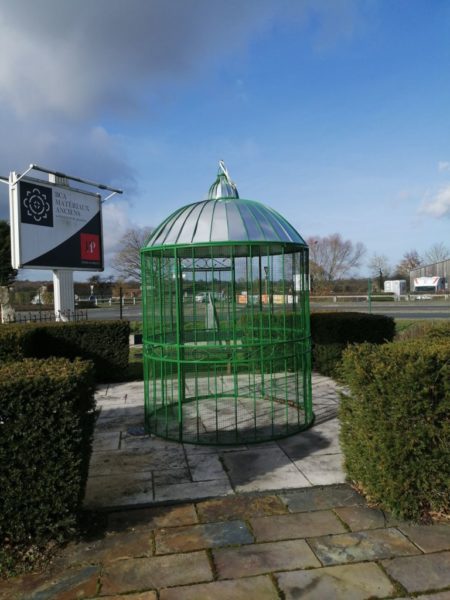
36	204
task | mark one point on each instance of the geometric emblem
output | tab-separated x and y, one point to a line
36	204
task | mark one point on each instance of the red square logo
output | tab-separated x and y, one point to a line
90	246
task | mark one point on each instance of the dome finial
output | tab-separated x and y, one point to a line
223	187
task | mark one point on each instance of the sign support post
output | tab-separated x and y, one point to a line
63	289
63	294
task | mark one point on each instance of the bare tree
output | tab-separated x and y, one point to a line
127	261
331	257
437	252
411	260
379	263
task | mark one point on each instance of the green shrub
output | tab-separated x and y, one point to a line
395	424
106	343
332	332
46	424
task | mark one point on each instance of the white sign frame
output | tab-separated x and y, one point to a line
51	223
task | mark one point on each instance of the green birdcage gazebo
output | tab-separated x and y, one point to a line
226	323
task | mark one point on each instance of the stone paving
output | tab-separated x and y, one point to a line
130	469
315	543
267	522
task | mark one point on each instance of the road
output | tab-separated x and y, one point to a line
398	310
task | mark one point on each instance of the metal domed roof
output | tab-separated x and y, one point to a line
224	217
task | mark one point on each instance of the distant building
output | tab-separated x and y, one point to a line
439	269
395	286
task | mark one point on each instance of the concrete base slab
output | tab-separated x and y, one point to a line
131	469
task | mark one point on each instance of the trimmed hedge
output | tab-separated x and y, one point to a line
332	332
395	424
105	343
16	342
46	424
272	325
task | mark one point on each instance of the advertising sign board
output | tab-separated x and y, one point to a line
54	226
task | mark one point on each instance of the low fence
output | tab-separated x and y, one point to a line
43	316
379	298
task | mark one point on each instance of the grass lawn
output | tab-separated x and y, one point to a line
405	326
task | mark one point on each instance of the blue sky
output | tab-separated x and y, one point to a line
335	113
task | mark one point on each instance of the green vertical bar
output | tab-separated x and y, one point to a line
197	420
269	277
261	331
252	347
212	296
179	342
194	292
307	344
285	337
145	341
234	353
216	403
234	329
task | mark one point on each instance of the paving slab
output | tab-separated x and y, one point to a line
260	588
105	441
110	548
257	559
322	498
197	537
171	476
108	463
436	596
260	469
346	582
322	469
206	467
361	517
192	449
320	439
157	457
138	596
429	538
153	517
298	525
240	507
157	572
373	544
420	573
66	585
193	491
120	490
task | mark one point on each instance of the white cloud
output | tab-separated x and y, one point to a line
438	205
443	165
115	223
70	69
